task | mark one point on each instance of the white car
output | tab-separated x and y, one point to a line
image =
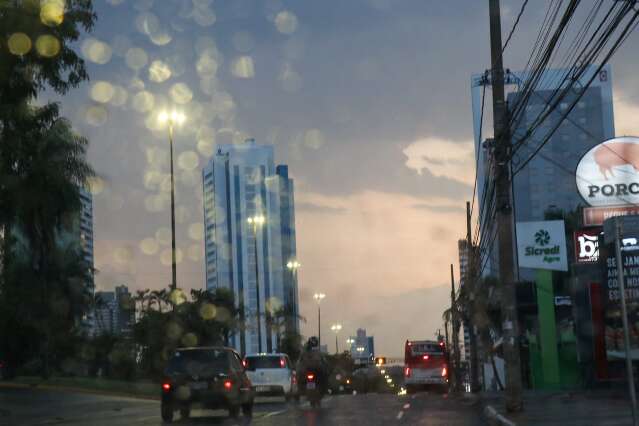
271	374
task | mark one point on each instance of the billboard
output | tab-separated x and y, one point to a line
608	174
587	245
595	216
542	245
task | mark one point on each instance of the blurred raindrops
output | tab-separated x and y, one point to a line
136	58
196	231
188	160
159	71
286	22
96	115
19	44
243	42
313	139
143	101
208	311
52	12
181	93
149	246
163	236
102	91
96	51
48	46
243	67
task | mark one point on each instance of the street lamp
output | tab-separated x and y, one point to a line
255	221
173	118
336	328
318	298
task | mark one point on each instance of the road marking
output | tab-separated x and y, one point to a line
406	406
400	415
274	413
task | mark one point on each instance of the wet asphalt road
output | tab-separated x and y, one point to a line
46	407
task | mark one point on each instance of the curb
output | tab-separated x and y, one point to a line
70	389
496	419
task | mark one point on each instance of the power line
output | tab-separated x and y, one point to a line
478	144
512	31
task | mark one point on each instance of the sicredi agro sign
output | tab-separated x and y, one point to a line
608	174
542	245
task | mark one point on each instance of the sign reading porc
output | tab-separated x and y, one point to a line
608	175
542	245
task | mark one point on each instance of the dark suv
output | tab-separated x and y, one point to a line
210	377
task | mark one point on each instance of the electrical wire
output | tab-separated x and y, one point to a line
512	30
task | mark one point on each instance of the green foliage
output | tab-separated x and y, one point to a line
208	319
290	343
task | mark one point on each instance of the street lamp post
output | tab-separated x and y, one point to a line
336	328
256	221
318	298
172	119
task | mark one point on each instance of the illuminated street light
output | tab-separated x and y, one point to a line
318	298
257	220
336	328
173	118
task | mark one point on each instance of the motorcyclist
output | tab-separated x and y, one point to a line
312	359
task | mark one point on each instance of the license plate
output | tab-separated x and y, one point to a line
310	385
198	385
262	388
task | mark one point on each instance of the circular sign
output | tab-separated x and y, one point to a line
608	174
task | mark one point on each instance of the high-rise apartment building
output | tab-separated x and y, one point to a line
462	246
240	183
115	313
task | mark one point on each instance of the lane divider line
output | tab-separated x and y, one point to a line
400	415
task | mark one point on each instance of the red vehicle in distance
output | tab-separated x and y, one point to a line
425	365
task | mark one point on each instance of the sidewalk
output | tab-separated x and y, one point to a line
569	408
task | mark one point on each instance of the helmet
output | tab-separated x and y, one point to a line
312	343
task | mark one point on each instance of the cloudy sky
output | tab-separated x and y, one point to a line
368	101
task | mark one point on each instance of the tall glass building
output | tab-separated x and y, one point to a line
240	182
548	181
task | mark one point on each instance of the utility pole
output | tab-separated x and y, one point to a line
455	331
501	170
471	285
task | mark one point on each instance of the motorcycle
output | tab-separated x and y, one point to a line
313	388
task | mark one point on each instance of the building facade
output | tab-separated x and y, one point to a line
362	347
241	182
462	247
114	312
548	181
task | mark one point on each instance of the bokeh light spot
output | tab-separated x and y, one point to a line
207	311
173	329
149	246
243	42
159	71
163	236
52	12
181	93
120	96
102	91
188	160
48	46
96	115
143	101
96	185
136	58
122	255
19	44
243	67
189	340
96	51
313	139
196	231
177	296
286	22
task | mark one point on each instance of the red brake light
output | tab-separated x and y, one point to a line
228	384
348	381
282	363
441	344
410	343
244	363
444	372
166	387
407	372
425	357
310	377
294	378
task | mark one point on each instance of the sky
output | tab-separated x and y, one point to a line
367	101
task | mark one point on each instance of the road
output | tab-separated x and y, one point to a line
46	407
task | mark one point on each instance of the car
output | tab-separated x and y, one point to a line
272	375
340	382
206	377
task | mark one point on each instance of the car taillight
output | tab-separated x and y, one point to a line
244	363
294	378
444	372
348	381
282	363
425	357
407	372
166	387
228	384
310	377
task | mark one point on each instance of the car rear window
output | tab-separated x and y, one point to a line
210	361
259	362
